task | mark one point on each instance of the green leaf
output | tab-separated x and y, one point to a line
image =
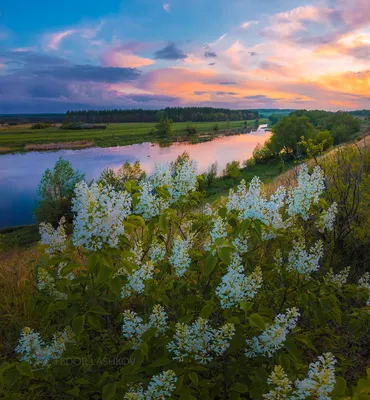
246	305
161	362
94	322
144	348
98	309
225	254
78	324
239	387
257	321
92	261
206	311
109	391
211	262
128	266
193	377
25	369
68	269
147	335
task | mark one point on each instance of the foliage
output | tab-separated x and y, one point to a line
211	173
125	173
288	132
40	125
326	138
176	114
191	129
234	300
232	170
262	154
164	127
216	127
77	126
55	192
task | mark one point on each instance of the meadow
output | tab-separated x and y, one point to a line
16	138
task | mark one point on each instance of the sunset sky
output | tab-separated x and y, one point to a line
60	55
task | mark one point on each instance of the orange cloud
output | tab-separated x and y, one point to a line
126	59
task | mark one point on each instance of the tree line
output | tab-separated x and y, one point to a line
176	114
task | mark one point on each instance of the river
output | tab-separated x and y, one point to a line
20	173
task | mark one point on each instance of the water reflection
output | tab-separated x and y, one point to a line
20	173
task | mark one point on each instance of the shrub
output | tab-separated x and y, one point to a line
191	129
156	297
211	173
232	170
164	127
80	126
55	192
40	125
125	173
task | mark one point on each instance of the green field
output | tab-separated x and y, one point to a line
120	134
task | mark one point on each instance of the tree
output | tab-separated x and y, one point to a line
211	173
55	192
326	138
287	134
164	127
127	172
232	170
215	127
191	129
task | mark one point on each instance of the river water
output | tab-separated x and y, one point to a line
20	173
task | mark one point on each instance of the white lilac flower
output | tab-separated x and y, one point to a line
305	261
321	379
100	214
306	193
136	280
235	286
46	283
69	276
339	279
364	283
283	386
327	218
218	231
199	341
180	258
133	326
185	179
157	252
162	176
53	239
252	203
33	350
274	336
150	203
241	243
160	387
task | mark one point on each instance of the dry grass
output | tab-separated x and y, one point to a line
5	149
16	293
78	144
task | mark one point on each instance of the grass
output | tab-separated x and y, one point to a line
266	172
16	138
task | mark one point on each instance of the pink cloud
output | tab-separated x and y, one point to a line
126	59
55	39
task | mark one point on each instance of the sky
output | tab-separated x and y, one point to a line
240	54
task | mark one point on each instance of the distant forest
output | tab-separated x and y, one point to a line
176	114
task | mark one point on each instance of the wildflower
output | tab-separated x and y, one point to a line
160	387
321	379
283	386
180	258
133	326
303	261
100	214
54	239
306	193
199	341
339	279
274	336
327	218
235	286
34	351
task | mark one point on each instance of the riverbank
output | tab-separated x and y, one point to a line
23	138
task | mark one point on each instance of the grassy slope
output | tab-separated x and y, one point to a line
15	138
